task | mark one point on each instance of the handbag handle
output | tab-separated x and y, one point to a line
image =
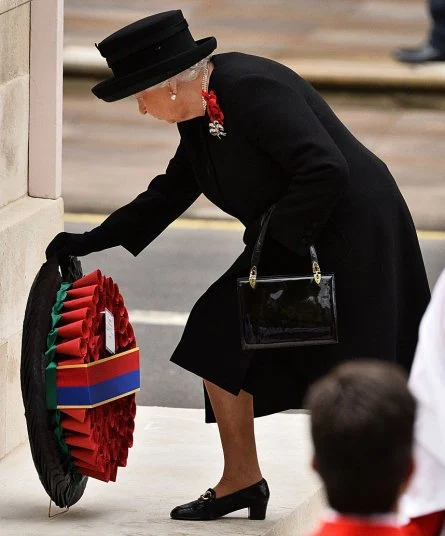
259	246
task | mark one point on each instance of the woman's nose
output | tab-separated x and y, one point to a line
141	106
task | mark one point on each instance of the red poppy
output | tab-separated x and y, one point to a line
213	109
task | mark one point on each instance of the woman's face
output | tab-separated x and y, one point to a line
157	102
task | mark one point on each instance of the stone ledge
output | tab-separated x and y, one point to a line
87	61
304	519
176	456
7	5
370	74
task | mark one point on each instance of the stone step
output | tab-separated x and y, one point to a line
324	72
175	458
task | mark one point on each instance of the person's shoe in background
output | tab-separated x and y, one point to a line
421	54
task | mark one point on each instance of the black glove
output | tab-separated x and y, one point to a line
65	244
79	244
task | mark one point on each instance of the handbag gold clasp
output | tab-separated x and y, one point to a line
317	272
252	276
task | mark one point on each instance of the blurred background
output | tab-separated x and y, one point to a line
111	152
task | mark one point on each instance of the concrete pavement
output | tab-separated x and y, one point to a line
175	458
340	42
110	154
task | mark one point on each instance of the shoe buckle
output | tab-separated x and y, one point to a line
207	495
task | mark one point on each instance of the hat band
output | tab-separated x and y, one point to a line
144	41
156	53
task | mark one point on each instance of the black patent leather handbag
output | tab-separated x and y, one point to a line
286	310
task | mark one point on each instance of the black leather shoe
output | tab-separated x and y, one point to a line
421	54
208	507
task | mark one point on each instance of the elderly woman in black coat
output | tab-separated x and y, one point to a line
272	140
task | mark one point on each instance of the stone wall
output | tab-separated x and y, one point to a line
26	223
14	99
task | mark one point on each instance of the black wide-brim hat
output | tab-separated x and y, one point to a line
147	52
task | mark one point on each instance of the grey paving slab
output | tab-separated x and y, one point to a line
314	28
175	458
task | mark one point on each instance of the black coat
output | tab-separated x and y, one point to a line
284	145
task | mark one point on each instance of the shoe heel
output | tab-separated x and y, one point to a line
258	511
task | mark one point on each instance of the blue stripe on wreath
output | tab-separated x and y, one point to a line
95	394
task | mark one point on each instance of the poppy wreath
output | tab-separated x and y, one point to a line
79	397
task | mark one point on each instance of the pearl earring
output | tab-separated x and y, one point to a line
172	95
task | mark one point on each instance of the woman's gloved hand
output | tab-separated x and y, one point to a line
78	244
65	244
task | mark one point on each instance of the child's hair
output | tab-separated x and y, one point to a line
362	430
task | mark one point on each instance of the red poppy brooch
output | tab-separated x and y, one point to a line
216	125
